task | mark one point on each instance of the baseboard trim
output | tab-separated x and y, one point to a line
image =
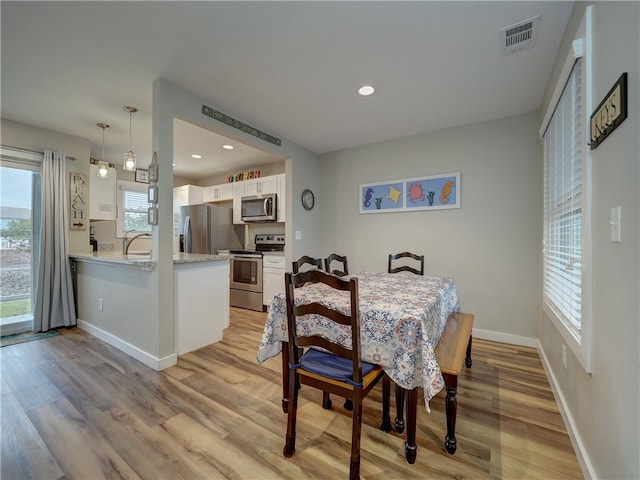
17	327
578	445
131	350
505	338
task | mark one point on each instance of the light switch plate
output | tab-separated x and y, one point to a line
615	224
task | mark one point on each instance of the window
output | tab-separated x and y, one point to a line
563	205
20	190
132	208
566	240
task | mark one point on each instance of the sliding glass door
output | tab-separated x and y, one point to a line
19	237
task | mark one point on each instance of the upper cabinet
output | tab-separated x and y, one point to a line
218	193
102	195
282	197
187	195
260	186
234	191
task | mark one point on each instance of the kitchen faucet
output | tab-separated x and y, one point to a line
129	241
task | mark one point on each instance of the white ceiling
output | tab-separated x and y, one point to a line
289	68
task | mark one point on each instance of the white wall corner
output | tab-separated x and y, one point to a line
578	445
147	359
504	338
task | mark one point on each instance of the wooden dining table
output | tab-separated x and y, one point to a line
402	319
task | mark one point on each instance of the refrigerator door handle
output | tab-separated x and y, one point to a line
187	234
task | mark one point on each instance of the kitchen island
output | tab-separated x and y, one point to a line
117	301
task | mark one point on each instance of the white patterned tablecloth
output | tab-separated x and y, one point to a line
402	318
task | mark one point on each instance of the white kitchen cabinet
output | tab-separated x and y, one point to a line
187	195
184	195
282	197
200	303
102	194
261	186
273	267
238	193
218	193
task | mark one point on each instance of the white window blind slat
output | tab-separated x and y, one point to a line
563	204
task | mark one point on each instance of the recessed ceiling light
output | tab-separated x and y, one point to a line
226	146
366	90
174	164
195	155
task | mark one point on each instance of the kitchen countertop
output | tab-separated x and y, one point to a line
143	262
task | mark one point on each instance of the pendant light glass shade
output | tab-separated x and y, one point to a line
129	162
103	165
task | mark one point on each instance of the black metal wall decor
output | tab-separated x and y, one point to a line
232	122
611	112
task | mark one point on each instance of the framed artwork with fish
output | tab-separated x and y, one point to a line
431	192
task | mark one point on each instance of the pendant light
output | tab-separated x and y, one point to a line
130	157
103	165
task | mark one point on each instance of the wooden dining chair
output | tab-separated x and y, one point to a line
306	260
405	268
344	267
393	260
336	369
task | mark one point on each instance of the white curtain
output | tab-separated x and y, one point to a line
54	290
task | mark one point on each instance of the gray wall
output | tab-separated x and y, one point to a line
19	135
490	246
604	407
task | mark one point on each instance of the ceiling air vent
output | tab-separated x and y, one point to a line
519	36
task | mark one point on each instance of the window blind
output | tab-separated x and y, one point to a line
563	195
135	206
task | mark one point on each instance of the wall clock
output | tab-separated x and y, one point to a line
308	200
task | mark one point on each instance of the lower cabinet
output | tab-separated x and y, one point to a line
200	302
273	267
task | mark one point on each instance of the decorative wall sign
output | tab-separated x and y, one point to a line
152	194
611	112
142	176
153	168
152	215
232	122
78	201
242	176
419	193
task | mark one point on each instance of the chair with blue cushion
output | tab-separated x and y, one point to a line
334	369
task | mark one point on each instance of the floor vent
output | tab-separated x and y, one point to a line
519	36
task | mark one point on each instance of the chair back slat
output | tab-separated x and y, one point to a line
406	268
341	259
317	308
306	260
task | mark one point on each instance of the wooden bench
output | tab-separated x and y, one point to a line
454	349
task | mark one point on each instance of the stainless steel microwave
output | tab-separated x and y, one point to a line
261	208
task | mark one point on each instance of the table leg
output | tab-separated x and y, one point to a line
410	448
399	409
285	376
467	359
385	426
451	408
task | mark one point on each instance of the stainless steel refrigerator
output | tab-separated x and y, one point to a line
208	228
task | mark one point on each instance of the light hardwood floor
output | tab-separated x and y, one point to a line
74	407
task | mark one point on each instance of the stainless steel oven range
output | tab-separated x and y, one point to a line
246	272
